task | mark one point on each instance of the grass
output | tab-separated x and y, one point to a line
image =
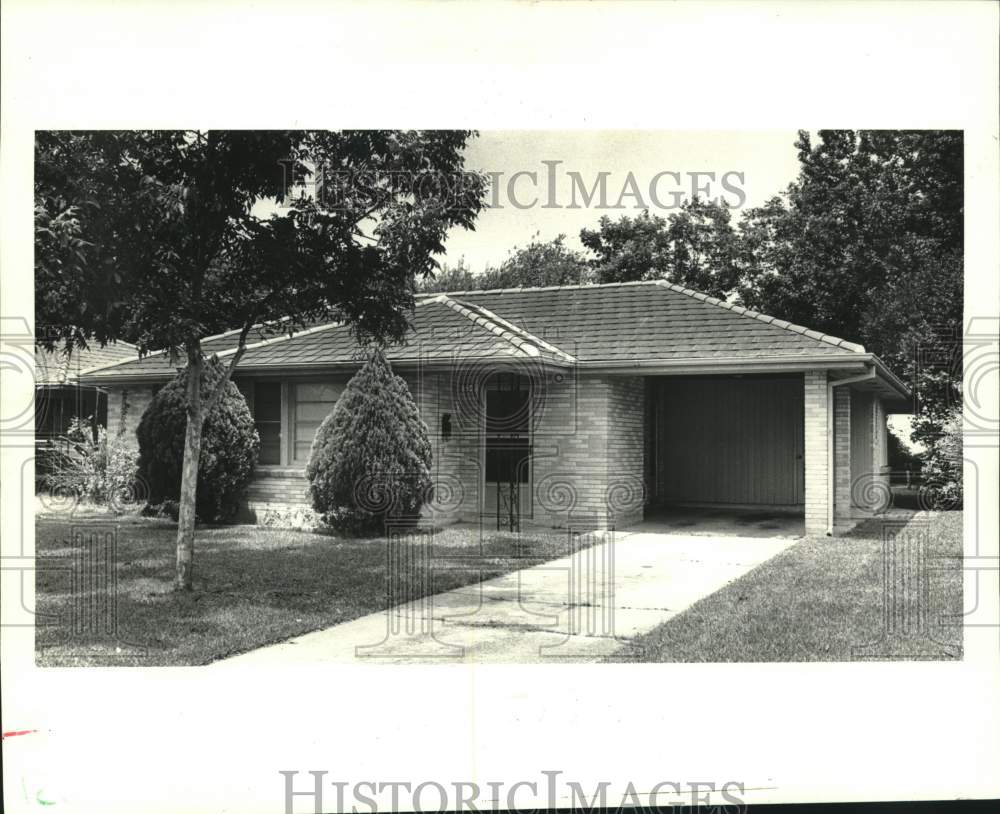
252	586
822	600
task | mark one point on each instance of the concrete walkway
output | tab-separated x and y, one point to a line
578	608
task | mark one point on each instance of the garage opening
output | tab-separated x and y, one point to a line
725	441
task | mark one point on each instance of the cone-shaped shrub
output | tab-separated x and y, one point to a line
371	458
229	445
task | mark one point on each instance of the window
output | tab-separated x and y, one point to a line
267	419
313	402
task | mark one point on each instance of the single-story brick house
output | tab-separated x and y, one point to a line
586	404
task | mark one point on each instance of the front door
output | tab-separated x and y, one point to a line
507	450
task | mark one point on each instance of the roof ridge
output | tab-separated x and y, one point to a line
836	341
522	345
537	340
107	364
520	289
284	337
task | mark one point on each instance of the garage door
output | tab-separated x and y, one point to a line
727	440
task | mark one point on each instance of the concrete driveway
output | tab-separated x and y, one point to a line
579	608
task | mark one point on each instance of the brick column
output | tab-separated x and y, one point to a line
625	494
589	453
842	452
816	451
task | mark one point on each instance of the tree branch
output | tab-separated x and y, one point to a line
241	348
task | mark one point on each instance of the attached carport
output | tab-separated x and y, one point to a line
807	443
726	441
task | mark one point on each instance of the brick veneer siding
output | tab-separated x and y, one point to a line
842	452
284	486
455	469
587	437
587	444
589	452
626	494
125	408
816	451
456	465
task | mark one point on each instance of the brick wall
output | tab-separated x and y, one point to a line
125	408
587	437
589	452
842	452
456	465
587	443
570	449
816	451
285	487
626	487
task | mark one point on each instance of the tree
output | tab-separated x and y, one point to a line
867	244
160	238
695	247
628	249
371	457
229	445
450	278
537	265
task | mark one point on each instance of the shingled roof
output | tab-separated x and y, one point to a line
56	367
620	324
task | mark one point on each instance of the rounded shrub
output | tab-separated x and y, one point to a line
371	457
229	445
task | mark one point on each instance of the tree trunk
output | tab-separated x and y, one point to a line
189	473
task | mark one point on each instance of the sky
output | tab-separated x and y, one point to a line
743	168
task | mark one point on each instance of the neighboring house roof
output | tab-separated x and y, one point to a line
606	327
56	367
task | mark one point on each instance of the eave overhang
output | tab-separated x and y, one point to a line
889	387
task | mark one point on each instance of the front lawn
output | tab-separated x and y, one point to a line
823	600
252	586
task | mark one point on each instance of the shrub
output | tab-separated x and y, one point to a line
942	467
370	460
229	445
101	469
